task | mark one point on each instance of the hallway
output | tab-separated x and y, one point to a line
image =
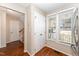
16	49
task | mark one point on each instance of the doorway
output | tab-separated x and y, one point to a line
14	39
15	32
15	25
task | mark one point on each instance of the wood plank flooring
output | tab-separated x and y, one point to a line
46	51
13	49
16	49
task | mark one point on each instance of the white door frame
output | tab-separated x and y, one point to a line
25	25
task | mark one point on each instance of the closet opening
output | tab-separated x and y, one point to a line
15	32
12	31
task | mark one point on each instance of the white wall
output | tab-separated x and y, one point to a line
0	31
2	27
36	26
27	31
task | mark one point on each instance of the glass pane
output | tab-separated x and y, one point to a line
65	27
52	27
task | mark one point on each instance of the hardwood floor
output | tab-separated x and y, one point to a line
16	49
46	51
13	49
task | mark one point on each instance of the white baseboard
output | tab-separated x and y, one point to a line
12	41
37	51
32	53
58	50
46	45
2	46
27	52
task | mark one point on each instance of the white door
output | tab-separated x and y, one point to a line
14	30
39	31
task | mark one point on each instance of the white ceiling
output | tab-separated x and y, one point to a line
46	7
49	7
